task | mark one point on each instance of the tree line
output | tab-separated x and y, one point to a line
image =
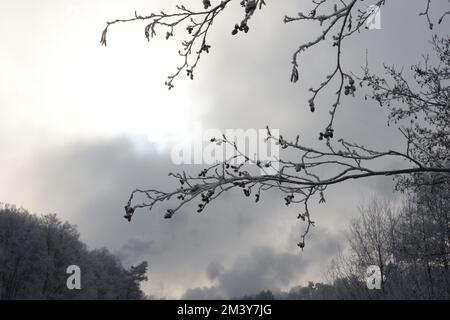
35	252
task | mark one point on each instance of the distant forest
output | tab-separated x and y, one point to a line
35	252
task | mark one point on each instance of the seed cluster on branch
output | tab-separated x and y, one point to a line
422	114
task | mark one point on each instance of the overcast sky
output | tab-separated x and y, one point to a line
81	125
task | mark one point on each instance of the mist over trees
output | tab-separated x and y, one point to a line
35	252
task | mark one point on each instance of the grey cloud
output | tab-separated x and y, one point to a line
135	250
89	182
263	268
214	270
267	268
203	293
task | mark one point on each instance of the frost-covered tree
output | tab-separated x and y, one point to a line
36	251
417	102
410	245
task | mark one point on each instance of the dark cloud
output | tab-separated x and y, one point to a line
263	268
89	182
214	270
267	268
135	250
203	293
